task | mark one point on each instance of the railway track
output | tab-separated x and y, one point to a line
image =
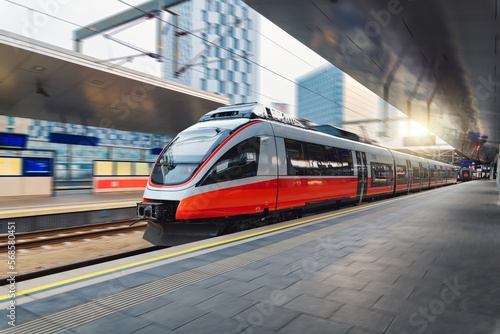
56	236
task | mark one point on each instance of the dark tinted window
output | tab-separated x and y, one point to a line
239	162
346	160
314	159
416	175
433	173
295	158
425	173
401	174
381	174
334	164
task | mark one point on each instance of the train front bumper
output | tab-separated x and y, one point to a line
150	211
164	230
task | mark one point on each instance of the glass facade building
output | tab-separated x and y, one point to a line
329	96
221	55
320	96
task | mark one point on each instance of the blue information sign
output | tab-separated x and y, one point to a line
63	138
13	141
155	151
37	166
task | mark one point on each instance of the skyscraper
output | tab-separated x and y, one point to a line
219	52
328	96
320	96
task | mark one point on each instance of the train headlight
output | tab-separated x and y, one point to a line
146	210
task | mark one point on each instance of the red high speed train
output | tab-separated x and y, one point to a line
247	164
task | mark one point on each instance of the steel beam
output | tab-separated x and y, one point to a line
150	7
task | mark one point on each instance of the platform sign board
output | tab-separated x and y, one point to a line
123	168
64	138
37	166
11	166
142	168
13	141
103	168
155	151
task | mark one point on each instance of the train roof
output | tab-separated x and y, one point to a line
251	111
255	110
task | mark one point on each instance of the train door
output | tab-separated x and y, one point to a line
409	175
362	175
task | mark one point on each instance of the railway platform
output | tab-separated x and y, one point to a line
422	263
33	213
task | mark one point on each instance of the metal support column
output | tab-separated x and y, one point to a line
386	110
160	25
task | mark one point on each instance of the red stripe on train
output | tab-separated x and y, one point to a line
240	200
295	192
255	197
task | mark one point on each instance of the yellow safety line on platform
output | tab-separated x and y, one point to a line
107	271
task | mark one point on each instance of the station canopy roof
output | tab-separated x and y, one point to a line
45	82
436	55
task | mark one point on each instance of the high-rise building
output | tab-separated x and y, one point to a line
321	96
329	96
220	51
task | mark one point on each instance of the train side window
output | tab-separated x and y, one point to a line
347	165
333	164
416	175
425	173
401	174
433	173
239	162
390	174
316	156
295	159
380	175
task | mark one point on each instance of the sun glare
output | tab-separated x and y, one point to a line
417	130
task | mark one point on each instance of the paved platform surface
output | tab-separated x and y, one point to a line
423	263
13	207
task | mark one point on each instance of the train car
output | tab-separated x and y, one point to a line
246	165
466	174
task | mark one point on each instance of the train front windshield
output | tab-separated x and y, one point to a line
186	153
